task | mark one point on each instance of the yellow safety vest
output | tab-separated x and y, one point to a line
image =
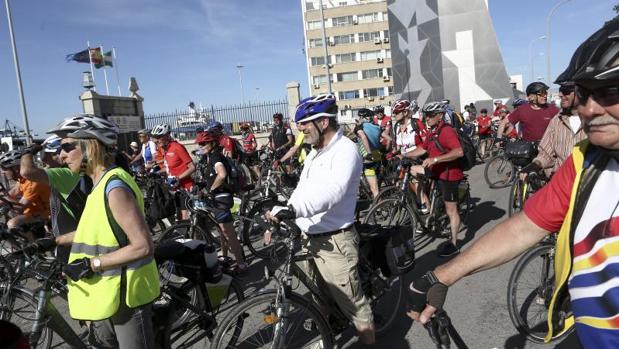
98	297
563	251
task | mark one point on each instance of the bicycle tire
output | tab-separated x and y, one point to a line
254	229
180	230
24	315
240	315
515	198
387	192
502	168
540	294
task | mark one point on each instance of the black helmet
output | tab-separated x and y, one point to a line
365	113
597	59
536	87
379	109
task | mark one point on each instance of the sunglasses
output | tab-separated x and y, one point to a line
202	144
542	94
566	90
605	95
68	147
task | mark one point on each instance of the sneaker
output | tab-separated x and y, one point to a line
447	249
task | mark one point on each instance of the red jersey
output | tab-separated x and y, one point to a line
533	123
483	123
249	143
497	110
448	139
228	144
177	160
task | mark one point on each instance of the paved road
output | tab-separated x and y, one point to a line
476	305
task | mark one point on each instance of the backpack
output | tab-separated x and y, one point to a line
372	132
161	202
467	161
236	178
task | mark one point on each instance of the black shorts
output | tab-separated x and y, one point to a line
222	205
252	159
449	190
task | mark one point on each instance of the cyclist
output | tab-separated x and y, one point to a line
299	147
562	133
580	202
112	276
498	106
31	198
443	149
227	143
215	172
384	122
533	117
368	134
148	149
250	146
331	168
483	128
68	190
281	139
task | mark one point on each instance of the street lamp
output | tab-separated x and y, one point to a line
239	67
548	38
531	70
325	43
20	87
257	91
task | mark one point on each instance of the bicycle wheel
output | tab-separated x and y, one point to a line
255	228
193	331
184	230
499	172
386	295
387	193
516	195
18	305
255	322
529	292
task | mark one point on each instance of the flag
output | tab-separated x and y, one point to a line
95	55
104	60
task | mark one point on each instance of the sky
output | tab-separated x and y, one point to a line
181	51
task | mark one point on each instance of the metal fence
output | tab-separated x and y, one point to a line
185	123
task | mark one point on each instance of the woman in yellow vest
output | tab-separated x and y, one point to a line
112	276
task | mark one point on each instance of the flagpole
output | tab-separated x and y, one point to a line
115	62
92	70
107	88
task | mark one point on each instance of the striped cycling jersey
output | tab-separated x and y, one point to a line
594	282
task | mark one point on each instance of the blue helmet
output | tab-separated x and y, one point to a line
214	126
518	102
52	144
312	108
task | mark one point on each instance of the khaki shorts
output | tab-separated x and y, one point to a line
336	257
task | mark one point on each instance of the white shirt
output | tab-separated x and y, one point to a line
153	150
326	195
405	137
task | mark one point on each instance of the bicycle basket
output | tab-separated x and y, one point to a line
520	150
187	257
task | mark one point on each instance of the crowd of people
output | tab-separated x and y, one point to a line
87	191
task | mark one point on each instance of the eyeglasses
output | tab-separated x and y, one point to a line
542	93
68	147
201	144
605	95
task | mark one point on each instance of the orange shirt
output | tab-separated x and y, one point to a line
38	196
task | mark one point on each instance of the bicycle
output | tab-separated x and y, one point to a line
530	289
286	319
522	189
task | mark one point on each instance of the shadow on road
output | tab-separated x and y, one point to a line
519	341
481	214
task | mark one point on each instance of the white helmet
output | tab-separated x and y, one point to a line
70	124
11	158
51	144
88	127
160	130
434	107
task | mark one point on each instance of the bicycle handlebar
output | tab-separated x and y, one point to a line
441	331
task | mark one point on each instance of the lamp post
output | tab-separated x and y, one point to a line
548	39
20	87
531	70
239	67
324	45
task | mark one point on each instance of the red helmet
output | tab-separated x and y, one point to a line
205	136
400	105
245	126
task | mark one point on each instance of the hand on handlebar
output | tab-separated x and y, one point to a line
280	213
78	269
426	295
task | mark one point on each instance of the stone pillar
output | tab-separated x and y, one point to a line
294	97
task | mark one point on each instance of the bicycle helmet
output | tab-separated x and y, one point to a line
205	136
72	123
400	105
97	128
51	144
214	126
11	158
365	113
379	109
597	59
245	126
278	116
160	130
536	87
312	108
518	102
434	107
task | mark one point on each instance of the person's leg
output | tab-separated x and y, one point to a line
454	219
227	230
101	334
373	182
134	327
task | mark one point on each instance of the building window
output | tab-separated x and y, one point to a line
386	34
372	73
319	79
309	5
363	37
318	60
348	76
368	17
374	92
349	94
387	53
313	25
342	21
345	57
342	3
315	42
344	39
389	72
385	16
390	90
370	55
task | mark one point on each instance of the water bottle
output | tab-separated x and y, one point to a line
210	256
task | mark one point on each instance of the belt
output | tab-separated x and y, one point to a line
329	233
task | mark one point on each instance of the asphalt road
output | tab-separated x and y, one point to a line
477	304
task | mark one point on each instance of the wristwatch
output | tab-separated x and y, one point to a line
435	160
96	264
